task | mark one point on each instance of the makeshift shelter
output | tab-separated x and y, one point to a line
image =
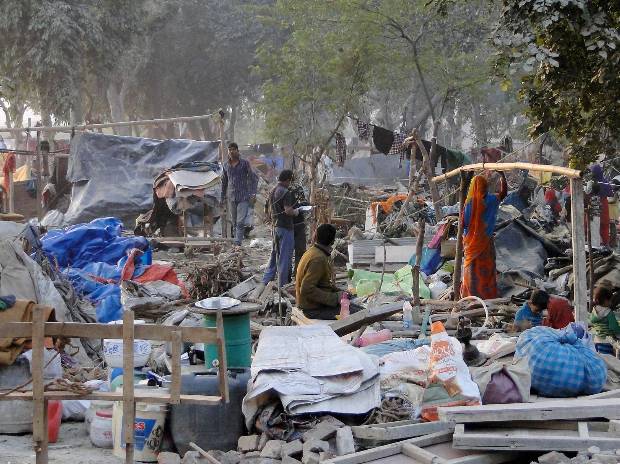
113	173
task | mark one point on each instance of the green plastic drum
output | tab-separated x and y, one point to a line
237	336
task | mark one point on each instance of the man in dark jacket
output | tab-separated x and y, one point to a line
316	294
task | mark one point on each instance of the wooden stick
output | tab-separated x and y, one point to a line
221	353
426	163
175	388
11	193
418	261
203	453
458	259
559	170
129	405
580	296
224	207
39	423
84	127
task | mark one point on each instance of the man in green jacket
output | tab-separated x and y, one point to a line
316	294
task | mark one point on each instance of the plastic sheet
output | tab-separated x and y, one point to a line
112	173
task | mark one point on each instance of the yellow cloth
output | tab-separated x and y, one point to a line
21	311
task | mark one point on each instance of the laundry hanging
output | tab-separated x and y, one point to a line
383	139
398	147
341	149
363	130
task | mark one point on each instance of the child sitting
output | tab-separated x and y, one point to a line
531	313
603	321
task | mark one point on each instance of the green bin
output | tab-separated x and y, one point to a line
237	337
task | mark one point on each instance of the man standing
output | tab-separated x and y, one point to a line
243	184
281	205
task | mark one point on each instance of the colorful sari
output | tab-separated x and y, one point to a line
479	217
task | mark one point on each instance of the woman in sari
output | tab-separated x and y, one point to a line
478	219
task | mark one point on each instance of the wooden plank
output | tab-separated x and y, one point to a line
394	254
399	430
580	300
129	405
390	450
569	409
221	353
96	331
421	455
365	317
141	397
175	387
523	439
39	422
559	170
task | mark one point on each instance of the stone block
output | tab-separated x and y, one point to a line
168	458
293	448
345	443
272	449
322	431
248	443
290	460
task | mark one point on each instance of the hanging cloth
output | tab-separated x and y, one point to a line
363	130
383	139
397	145
341	149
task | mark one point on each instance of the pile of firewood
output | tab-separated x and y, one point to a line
213	279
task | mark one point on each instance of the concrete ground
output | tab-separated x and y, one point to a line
73	447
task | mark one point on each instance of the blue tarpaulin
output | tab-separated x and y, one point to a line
92	257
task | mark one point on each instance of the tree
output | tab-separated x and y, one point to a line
565	55
50	47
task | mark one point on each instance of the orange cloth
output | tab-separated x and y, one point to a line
476	241
386	205
9	166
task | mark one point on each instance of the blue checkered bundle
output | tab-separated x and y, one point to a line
562	365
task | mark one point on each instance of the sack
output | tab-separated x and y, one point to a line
502	383
450	383
561	363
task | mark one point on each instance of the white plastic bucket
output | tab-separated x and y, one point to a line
148	431
113	350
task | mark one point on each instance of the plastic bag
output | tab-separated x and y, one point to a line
450	382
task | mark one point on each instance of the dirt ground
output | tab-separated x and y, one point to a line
73	447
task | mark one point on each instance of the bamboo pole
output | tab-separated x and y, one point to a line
418	261
129	405
224	208
458	259
84	127
39	183
559	170
11	193
39	424
590	257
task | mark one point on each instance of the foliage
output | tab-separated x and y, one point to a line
49	46
566	55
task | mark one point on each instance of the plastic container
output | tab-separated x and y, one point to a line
204	424
116	378
345	304
97	405
407	315
113	350
374	338
101	429
54	418
149	426
238	339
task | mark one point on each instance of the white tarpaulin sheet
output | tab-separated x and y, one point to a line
311	369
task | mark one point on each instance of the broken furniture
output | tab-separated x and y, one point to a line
39	329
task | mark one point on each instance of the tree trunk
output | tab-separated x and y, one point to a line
480	129
233	122
117	107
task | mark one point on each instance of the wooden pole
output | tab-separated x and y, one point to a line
590	257
224	208
129	405
559	170
39	424
418	261
580	296
458	259
426	163
92	127
11	193
39	182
